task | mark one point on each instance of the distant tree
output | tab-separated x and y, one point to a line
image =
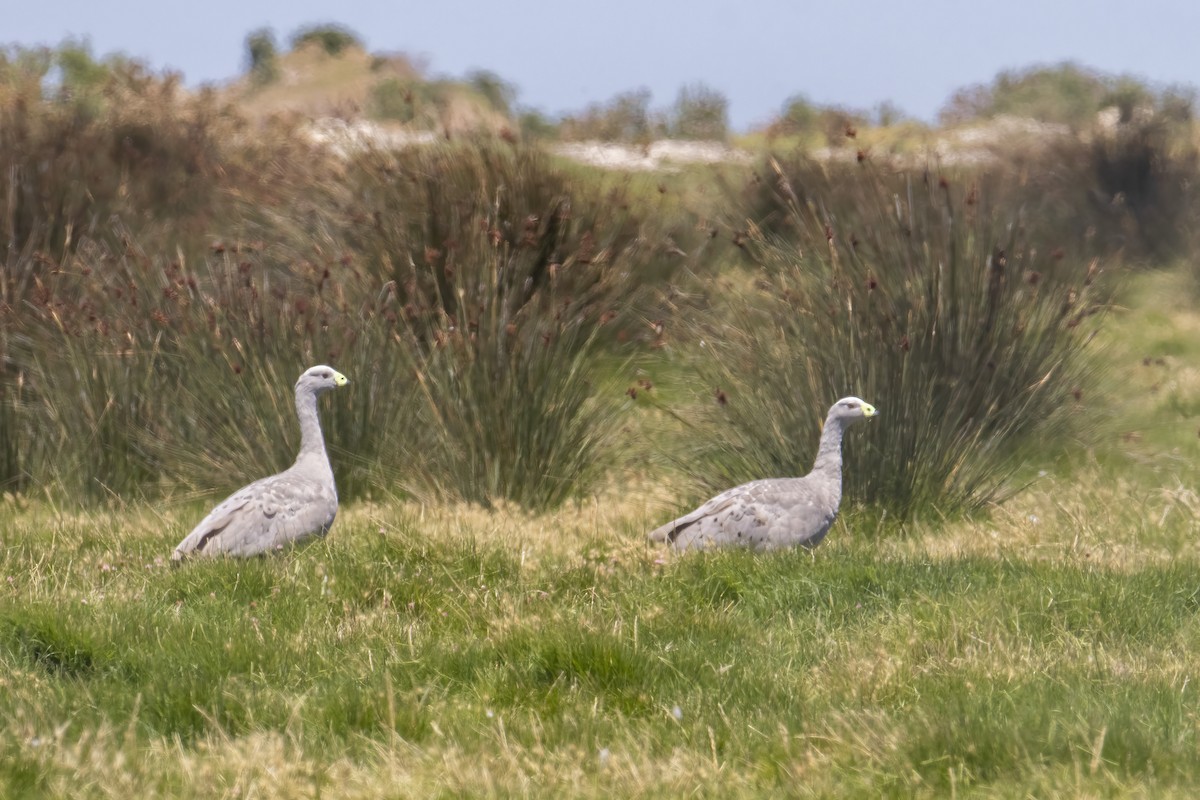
1066	93
629	116
888	113
262	56
799	115
1128	95
331	37
22	66
700	112
625	118
1177	104
840	125
536	125
79	71
499	93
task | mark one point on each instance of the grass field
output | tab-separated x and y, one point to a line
1046	649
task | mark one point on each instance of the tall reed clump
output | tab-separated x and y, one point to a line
1148	174
128	145
142	374
507	280
924	297
522	412
469	312
109	158
1129	190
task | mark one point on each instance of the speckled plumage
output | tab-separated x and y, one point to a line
296	504
774	512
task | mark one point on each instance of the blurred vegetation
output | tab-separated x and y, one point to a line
499	93
828	125
330	37
108	140
700	112
536	126
627	117
415	102
262	56
174	268
1068	94
1130	192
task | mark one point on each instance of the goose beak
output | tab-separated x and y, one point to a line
341	380
868	410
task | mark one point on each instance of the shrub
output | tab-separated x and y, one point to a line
534	125
504	275
1145	180
923	297
412	101
700	112
800	116
1127	194
144	374
625	118
499	93
467	292
1066	93
431	221
514	407
262	56
131	148
113	161
330	37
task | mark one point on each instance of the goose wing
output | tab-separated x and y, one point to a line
764	514
263	516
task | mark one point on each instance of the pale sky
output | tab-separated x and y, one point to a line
563	55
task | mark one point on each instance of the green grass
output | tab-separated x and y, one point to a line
393	646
